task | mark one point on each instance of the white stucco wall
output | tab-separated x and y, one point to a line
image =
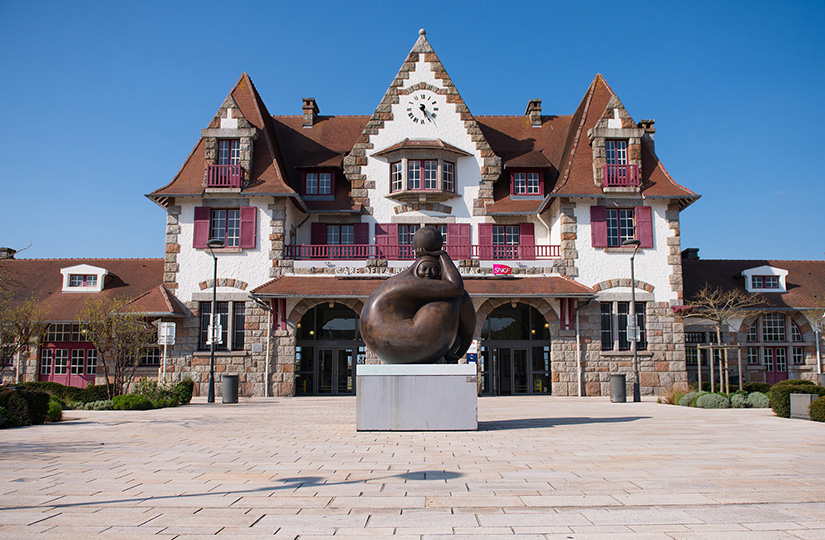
599	264
196	265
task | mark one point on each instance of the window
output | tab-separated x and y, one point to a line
616	152
78	358
526	183
765	282
150	356
448	177
318	183
798	355
236	227
61	361
773	327
406	233
422	174
621	226
82	280
507	241
796	334
397	176
229	151
64	332
609	227
753	355
91	361
231	325
753	333
46	357
614	321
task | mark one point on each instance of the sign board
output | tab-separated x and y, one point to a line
166	333
502	269
215	335
633	332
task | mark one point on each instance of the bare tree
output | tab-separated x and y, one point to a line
720	307
816	316
21	325
120	336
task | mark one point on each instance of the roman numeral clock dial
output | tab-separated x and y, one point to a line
422	107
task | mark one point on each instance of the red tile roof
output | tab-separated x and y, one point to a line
326	286
805	280
132	279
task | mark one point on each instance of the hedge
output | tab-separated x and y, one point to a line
781	394
751	387
817	410
131	402
23	406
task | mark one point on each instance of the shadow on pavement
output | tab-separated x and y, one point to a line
534	423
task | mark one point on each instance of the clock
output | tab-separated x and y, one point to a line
422	107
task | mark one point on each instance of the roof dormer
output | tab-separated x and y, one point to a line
617	150
765	279
83	278
229	141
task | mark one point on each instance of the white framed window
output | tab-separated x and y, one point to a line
796	334
61	361
616	152
621	225
448	176
78	361
397	176
753	355
226	225
91	361
773	327
229	151
76	280
798	356
413	174
46	358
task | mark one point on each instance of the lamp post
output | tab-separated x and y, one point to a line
211	244
632	325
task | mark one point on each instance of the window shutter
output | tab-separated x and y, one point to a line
249	226
485	240
458	240
360	233
598	226
644	226
318	234
202	215
386	235
527	241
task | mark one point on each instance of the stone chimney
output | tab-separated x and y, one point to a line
690	254
534	112
647	126
310	111
7	253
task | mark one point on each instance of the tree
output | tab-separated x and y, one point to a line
720	307
120	336
21	324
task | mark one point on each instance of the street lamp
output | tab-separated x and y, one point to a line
632	325
211	244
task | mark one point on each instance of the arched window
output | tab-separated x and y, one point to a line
325	322
515	323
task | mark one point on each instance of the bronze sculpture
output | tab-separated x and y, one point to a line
422	314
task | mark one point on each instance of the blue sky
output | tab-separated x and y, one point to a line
104	100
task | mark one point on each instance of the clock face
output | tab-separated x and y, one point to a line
422	107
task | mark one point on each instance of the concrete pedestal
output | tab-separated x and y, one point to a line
420	397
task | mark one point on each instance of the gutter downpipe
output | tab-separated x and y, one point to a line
579	348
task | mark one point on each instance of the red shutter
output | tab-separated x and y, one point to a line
361	233
458	240
644	226
485	240
318	234
202	215
527	241
249	226
386	235
598	226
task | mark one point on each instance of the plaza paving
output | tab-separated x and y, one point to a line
543	468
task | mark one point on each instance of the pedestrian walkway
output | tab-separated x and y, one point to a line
538	468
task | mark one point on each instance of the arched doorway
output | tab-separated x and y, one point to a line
515	351
327	351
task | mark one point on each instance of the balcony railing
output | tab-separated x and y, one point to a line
223	176
621	175
405	252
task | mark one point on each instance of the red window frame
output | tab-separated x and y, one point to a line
82	280
311	183
765	282
532	177
229	151
615	151
248	226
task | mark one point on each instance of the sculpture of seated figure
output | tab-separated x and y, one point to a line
422	314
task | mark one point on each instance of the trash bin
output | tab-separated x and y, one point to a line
618	389
229	387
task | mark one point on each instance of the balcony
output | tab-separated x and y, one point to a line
224	176
405	252
621	175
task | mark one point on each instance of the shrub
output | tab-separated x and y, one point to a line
101	405
6	421
24	406
817	410
672	395
751	387
131	402
65	393
165	401
55	413
738	401
38	403
781	394
712	401
758	400
184	390
96	392
687	399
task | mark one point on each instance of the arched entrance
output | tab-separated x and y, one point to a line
515	351
328	349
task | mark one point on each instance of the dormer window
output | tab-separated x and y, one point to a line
526	183
617	171
422	171
318	183
422	175
85	280
226	173
765	282
229	151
